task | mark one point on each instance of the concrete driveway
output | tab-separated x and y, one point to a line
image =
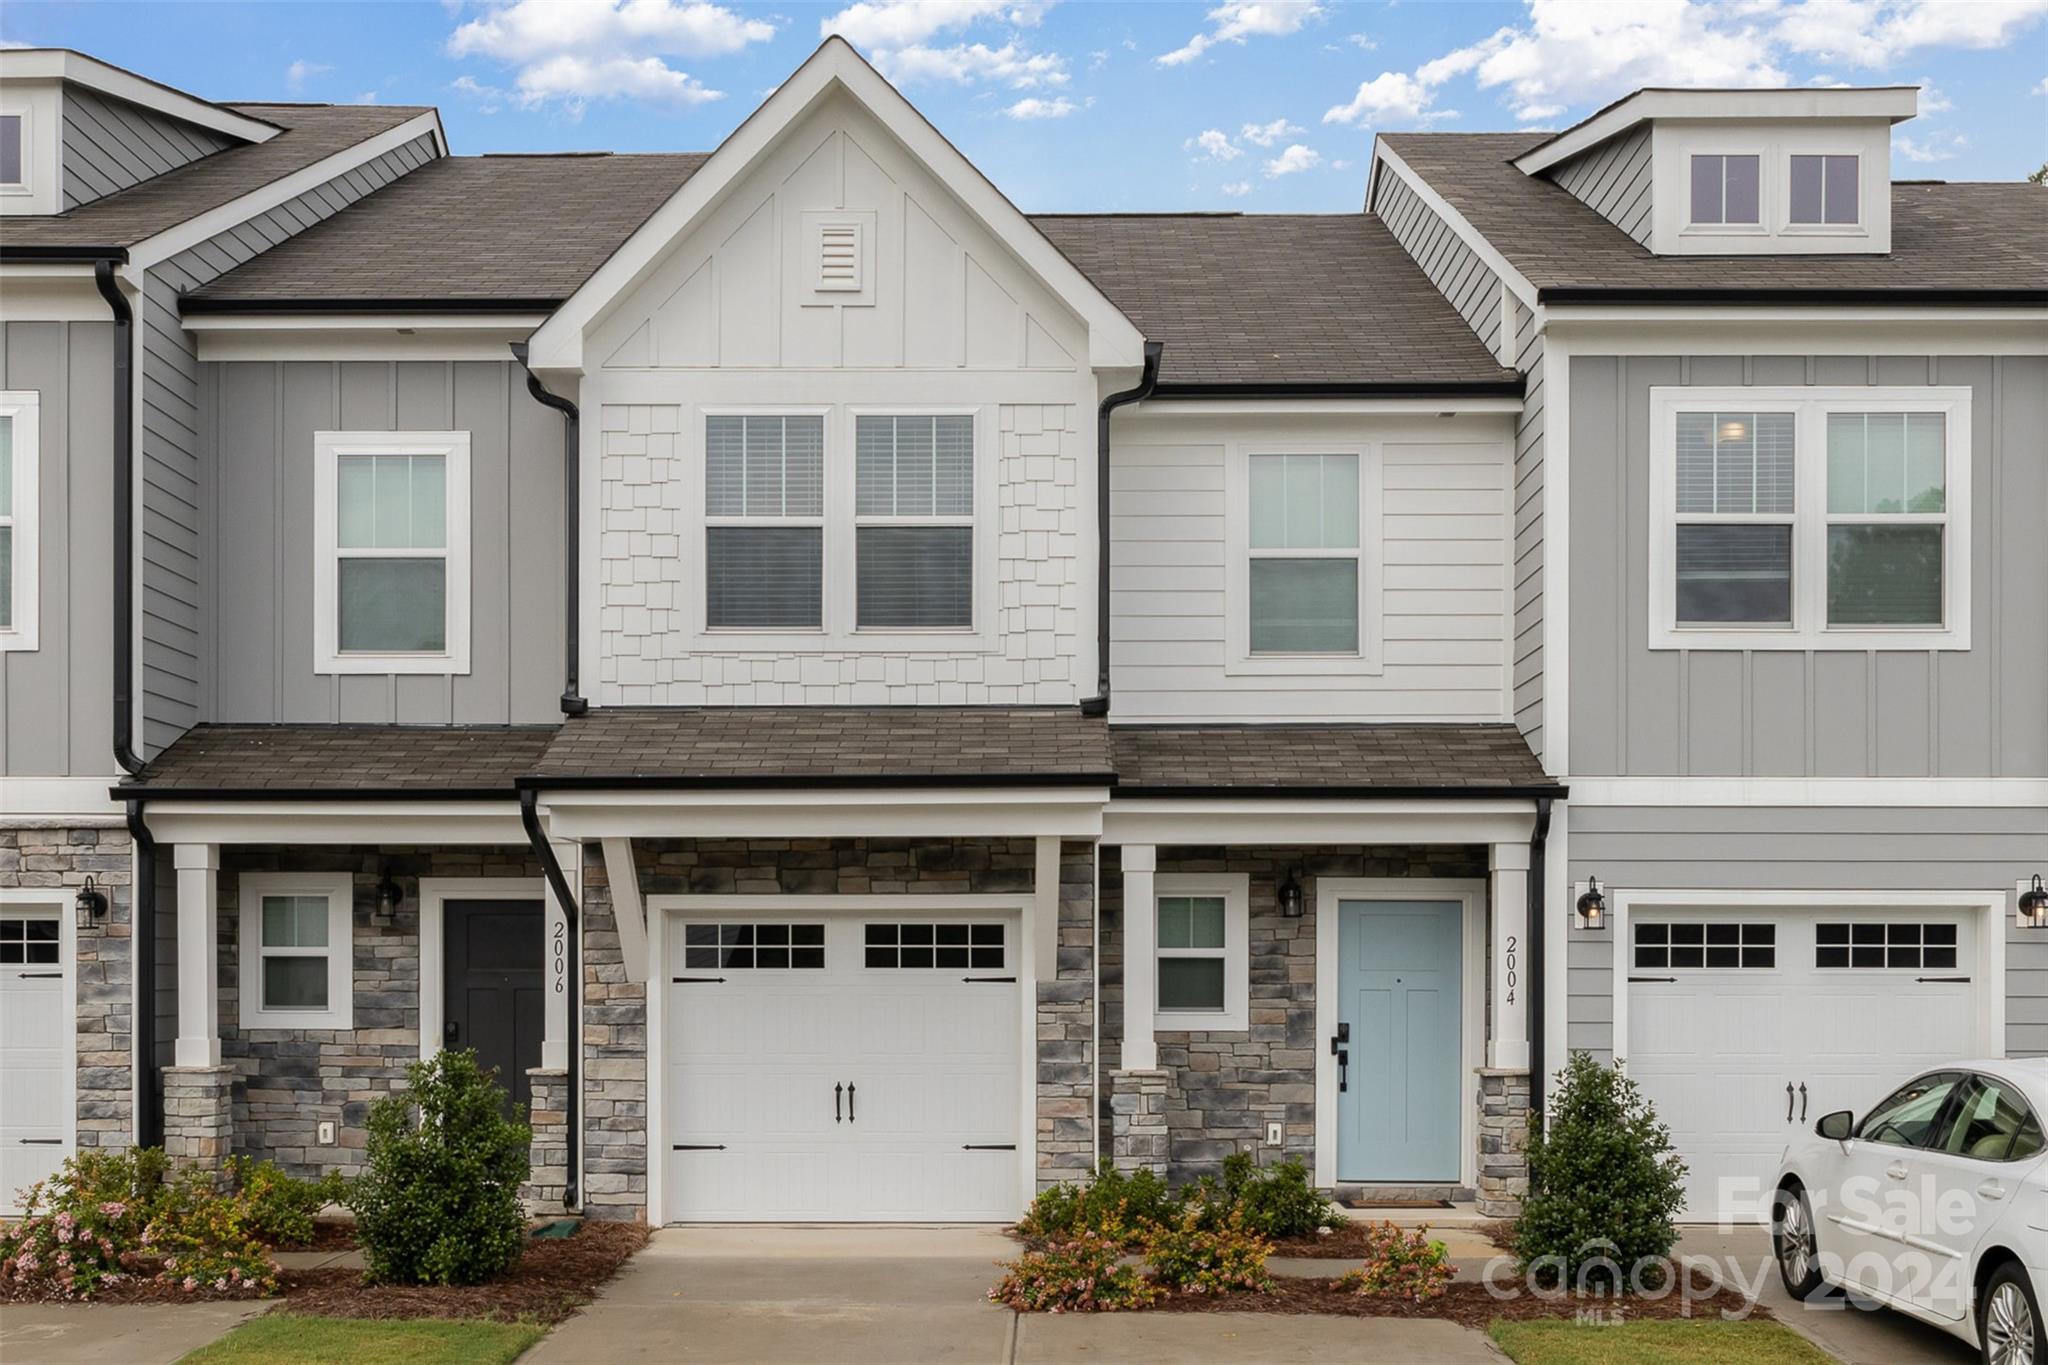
731	1294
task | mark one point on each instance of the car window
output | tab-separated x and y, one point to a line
1988	1121
1910	1116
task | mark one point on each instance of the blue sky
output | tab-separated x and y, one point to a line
1265	105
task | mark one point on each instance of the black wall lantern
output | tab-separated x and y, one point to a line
92	904
1592	906
2034	906
388	897
1290	897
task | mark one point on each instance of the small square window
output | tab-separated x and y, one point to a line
1725	190
1824	190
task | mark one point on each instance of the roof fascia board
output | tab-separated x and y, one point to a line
480	339
1894	104
1797	331
1112	338
1555	297
190	233
1325	407
94	74
313	321
1516	281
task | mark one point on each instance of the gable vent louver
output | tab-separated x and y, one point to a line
839	257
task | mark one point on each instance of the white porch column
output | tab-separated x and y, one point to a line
1141	942
1509	1049
199	954
556	1035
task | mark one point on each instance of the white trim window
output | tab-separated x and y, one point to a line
764	513
14	151
913	509
297	950
1304	526
1806	518
1823	189
1203	953
391	568
1727	190
20	557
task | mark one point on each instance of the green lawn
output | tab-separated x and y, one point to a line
282	1339
1698	1341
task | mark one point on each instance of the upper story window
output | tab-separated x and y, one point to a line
764	539
19	561
914	522
1823	190
1304	554
1791	519
391	518
1726	190
12	171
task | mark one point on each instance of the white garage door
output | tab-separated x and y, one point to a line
1744	1027
35	1049
842	1068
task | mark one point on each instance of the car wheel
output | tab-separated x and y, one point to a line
2009	1320
1792	1240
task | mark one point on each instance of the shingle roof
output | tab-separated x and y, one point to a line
1196	759
1945	238
736	746
312	133
488	230
344	760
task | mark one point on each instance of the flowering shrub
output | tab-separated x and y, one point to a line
1107	1199
1400	1265
1226	1258
1085	1275
280	1208
208	1241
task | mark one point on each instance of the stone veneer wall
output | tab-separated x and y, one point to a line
286	1081
615	1010
1228	1085
61	857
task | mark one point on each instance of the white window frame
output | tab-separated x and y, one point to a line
338	888
1859	228
1239	660
1764	199
746	636
1810	518
1235	890
25	185
328	447
24	631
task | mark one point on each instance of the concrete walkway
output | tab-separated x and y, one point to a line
861	1294
132	1334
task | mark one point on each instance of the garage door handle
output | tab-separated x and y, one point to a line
1802	1101
1943	980
42	1142
1788	1101
836	1088
39	976
849	1102
988	1146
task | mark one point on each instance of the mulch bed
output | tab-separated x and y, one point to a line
1467	1304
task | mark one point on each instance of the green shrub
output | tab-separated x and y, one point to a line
280	1207
1083	1275
1190	1258
1275	1201
207	1240
438	1200
1108	1199
1604	1183
1400	1265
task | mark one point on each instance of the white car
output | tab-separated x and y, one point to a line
1935	1203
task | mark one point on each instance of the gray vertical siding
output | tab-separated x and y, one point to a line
1528	555
262	417
110	144
1806	849
172	473
1982	712
1453	267
56	701
1613	179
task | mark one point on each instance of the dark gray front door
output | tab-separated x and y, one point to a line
492	951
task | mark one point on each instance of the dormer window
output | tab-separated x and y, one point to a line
1824	191
11	174
1726	191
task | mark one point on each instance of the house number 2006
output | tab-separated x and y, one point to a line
560	958
1513	943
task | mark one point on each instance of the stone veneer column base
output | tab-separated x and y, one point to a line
548	1116
199	1116
1503	1138
1137	1120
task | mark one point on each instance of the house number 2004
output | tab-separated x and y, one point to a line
1513	943
559	956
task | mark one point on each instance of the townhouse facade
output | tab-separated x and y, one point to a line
860	702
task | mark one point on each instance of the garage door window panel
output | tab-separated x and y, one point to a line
1704	944
754	947
1879	945
934	946
29	942
1912	1115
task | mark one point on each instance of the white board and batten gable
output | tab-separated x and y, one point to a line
834	260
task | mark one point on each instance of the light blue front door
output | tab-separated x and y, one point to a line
1398	990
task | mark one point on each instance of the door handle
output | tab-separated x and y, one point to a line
836	1088
1342	1053
1802	1101
1896	1171
1991	1189
449	1031
1788	1101
849	1102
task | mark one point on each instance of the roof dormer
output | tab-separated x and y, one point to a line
1737	172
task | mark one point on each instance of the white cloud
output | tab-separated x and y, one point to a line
2042	88
1362	41
1389	95
966	63
489	98
299	72
1032	107
1874	33
1215	144
898	34
1266	134
570	54
1238	189
367	97
905	23
1236	20
1295	159
1932	147
1932	101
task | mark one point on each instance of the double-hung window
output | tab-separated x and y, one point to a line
19	594
1304	568
391	520
913	512
1203	967
13	151
1810	517
1726	190
1824	191
764	535
297	950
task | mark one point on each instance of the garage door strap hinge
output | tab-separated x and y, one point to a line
988	1146
695	980
1944	980
698	1147
1654	978
988	980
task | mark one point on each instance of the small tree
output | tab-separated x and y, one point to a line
438	1202
1604	1182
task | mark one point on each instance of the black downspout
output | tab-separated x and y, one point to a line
149	1117
124	515
529	816
1148	379
573	701
1538	922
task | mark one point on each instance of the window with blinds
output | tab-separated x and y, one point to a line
1735	482
914	522
764	539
